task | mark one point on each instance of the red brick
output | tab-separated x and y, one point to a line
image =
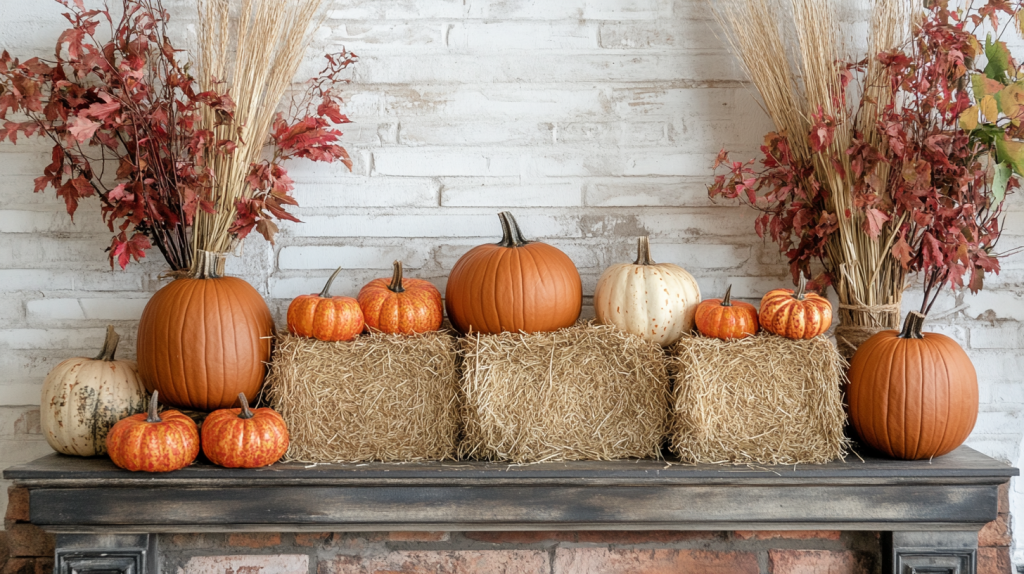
417	536
28	566
255	539
308	539
27	540
1004	498
446	562
17	504
994	561
787	534
5	549
644	536
658	561
996	533
818	562
524	537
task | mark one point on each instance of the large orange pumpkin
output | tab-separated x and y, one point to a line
795	315
324	317
912	395
401	305
726	319
204	339
153	442
514	285
243	438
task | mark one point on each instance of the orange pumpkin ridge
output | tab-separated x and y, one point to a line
151	443
324	317
401	305
913	395
242	438
514	285
795	315
725	319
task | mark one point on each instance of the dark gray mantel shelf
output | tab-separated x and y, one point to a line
933	508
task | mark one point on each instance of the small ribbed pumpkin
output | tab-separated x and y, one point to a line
795	315
154	442
513	285
401	305
83	398
655	301
325	318
243	438
912	395
205	338
726	319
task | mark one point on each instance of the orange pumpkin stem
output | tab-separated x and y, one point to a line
912	326
511	236
396	278
246	413
800	288
109	345
727	300
327	288
154	416
643	251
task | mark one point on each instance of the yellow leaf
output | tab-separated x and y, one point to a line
969	119
975	45
990	108
1009	99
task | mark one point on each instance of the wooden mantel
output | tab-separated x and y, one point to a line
933	509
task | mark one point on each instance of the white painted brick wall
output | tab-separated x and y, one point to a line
593	120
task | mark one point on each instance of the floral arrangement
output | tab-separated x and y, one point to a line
910	181
125	117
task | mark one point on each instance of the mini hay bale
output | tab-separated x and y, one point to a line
379	397
758	400
584	392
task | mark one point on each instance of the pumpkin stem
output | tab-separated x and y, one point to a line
727	300
511	236
643	251
396	278
209	265
109	345
246	413
154	417
912	326
801	288
327	288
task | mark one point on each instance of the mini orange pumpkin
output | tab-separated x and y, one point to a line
913	395
725	319
324	317
400	305
796	315
153	442
242	438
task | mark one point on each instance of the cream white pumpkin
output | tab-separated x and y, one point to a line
83	398
656	301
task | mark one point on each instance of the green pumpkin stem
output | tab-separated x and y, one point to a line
109	345
327	288
511	236
396	278
246	413
912	326
801	288
643	251
154	416
727	300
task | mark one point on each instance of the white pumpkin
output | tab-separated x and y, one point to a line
83	398
656	301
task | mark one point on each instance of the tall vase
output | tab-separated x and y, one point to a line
205	338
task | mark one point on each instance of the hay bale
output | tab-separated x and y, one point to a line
379	397
588	392
759	400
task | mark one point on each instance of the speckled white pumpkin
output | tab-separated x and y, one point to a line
656	301
83	398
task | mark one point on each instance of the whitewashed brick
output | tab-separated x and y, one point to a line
53	338
352	257
429	225
48	219
264	564
420	162
346	190
661	34
662	163
1001	337
648	192
694	256
561	195
995	304
122	309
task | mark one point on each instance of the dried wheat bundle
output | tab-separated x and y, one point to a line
588	392
252	52
379	397
759	400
